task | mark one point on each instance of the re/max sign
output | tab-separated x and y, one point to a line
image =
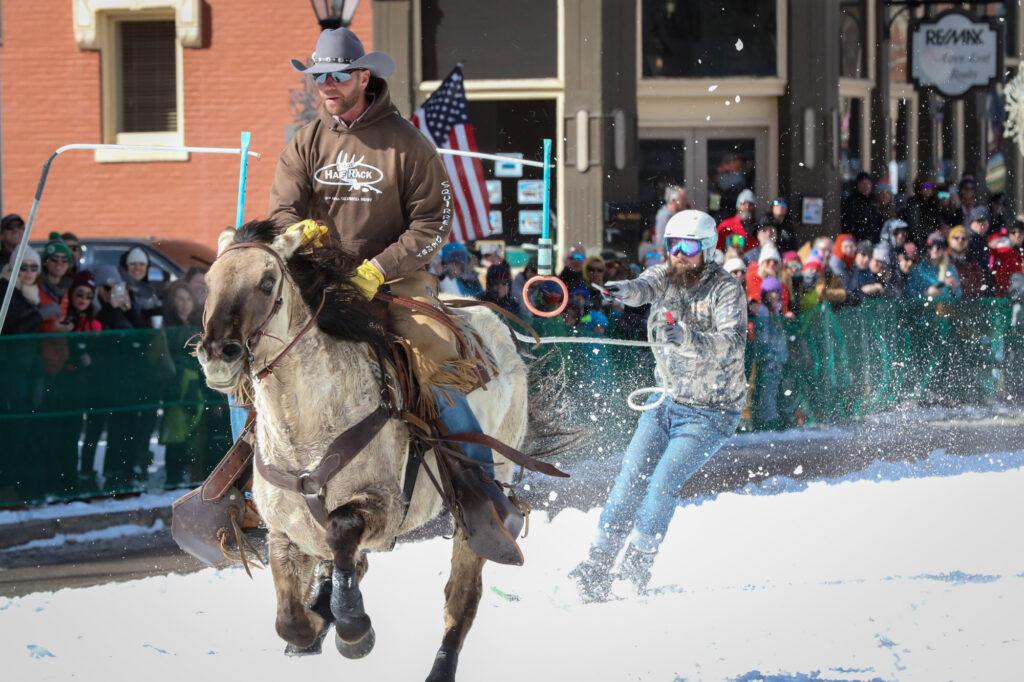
949	36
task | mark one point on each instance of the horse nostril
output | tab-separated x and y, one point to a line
232	350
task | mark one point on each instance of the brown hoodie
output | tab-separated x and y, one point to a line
379	185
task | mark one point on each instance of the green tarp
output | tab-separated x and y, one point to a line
87	414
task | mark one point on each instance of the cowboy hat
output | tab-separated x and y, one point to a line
339	49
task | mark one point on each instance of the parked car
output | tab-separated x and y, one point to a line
169	259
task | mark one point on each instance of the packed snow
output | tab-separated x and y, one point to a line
903	572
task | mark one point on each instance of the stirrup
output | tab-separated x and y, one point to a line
492	523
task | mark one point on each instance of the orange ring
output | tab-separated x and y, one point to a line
545	278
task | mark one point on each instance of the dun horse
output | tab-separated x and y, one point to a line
264	291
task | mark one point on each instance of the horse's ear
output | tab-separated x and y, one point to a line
287	243
225	239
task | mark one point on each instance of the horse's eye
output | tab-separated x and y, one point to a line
267	285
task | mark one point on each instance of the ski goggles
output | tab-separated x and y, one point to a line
336	76
736	240
675	246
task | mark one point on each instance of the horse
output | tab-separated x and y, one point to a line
273	301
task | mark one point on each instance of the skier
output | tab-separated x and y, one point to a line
705	390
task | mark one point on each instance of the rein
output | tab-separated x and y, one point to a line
259	332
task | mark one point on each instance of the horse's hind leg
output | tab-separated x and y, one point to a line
462	597
302	628
346	527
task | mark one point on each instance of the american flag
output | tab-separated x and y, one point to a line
444	118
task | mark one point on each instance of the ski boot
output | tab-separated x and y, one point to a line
593	576
636	567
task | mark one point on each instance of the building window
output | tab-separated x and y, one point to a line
148	77
852	31
661	162
851	121
899	120
704	40
492	40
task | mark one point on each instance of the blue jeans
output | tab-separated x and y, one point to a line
671	443
458	417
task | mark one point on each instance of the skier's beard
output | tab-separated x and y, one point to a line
682	275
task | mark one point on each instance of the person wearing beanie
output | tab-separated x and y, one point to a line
842	262
934	277
53	285
742	223
459	278
12	229
145	296
770	351
81	312
737	268
782	219
23	316
769	264
499	288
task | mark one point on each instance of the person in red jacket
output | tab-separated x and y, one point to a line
81	313
769	264
1007	257
743	223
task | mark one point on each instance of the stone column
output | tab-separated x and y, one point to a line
392	33
808	113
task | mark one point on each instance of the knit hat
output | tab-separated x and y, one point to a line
864	247
136	255
957	231
790	256
813	264
12	221
31	256
597	319
745	195
56	247
454	251
881	254
83	279
770	284
769	252
580	291
936	238
735	265
980	214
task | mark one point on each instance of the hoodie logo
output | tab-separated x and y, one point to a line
348	171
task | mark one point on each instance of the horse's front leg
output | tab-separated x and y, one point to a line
346	527
296	624
462	597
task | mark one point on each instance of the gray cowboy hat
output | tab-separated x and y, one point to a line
339	49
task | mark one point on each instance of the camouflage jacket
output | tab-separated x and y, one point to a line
706	370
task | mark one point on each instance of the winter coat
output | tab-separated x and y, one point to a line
785	233
115	318
23	315
508	303
972	278
1006	260
49	295
754	288
923	216
733	225
379	185
861	217
978	251
845	275
926	274
706	369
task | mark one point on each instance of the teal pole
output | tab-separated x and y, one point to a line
240	414
544	243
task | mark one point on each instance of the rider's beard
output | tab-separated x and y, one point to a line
682	275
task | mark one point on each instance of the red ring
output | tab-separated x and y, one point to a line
545	278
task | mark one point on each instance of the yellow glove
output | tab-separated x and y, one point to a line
312	232
368	279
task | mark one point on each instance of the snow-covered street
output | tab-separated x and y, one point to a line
917	578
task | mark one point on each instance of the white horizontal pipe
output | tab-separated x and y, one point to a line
157	148
491	157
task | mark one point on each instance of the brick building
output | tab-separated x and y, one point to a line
149	72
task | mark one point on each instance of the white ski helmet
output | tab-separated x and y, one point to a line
694	225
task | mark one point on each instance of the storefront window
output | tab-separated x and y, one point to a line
709	39
851	121
661	163
730	171
517	126
852	28
490	39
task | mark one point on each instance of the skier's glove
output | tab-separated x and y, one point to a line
674	334
620	289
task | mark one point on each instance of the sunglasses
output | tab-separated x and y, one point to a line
29	267
956	239
88	295
59	259
685	246
595	269
927	185
336	76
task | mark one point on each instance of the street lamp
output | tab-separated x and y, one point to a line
334	13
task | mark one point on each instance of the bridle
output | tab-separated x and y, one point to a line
253	339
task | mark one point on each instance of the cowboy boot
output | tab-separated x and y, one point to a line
636	567
491	521
593	576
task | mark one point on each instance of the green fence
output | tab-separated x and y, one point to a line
126	411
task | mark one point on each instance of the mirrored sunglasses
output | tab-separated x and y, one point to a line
682	245
29	267
336	76
736	240
59	259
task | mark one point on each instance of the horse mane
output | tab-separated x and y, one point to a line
325	272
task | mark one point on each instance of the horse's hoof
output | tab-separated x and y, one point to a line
313	649
444	667
357	649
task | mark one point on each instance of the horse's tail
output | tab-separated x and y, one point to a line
548	430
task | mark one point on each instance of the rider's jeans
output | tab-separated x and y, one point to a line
458	417
671	443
